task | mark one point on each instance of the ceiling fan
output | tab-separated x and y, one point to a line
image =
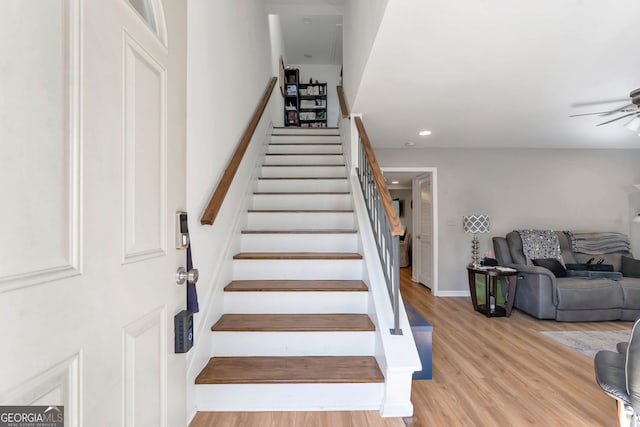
628	110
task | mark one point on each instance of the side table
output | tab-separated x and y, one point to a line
491	276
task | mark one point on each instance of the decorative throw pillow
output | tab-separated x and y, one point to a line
630	267
552	264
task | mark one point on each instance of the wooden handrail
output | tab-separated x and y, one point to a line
343	102
394	221
211	211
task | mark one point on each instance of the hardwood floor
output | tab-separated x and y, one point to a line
502	371
486	372
294	419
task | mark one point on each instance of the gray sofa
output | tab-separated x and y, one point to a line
570	299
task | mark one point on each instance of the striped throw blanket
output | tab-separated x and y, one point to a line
598	243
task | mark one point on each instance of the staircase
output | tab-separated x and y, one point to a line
295	333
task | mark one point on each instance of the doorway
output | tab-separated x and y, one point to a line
417	188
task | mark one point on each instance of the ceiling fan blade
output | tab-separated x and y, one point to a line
635	113
604	101
590	114
621	109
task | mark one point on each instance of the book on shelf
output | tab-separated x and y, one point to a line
292	90
311	103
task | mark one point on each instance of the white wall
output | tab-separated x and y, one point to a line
552	189
361	21
277	49
229	65
329	74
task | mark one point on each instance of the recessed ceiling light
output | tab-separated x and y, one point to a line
395	182
307	21
425	132
410	144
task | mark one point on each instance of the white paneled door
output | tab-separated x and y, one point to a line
423	270
92	127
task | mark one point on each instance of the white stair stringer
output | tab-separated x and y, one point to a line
318	218
397	355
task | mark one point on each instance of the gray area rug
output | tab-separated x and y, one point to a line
589	342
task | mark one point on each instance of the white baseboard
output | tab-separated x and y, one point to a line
442	293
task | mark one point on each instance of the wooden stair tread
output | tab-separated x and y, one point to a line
302	177
301	231
306	144
301	210
298	255
294	323
296	286
304	154
291	370
280	193
297	165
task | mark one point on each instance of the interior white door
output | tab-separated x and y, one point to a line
92	172
423	229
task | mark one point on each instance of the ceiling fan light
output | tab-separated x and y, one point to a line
633	125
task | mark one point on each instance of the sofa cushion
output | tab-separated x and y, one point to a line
630	267
630	292
515	248
501	249
552	264
587	294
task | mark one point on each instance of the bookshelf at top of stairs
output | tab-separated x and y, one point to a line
295	333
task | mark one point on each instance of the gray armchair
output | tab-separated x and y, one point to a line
618	375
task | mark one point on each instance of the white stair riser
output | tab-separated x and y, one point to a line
305	159
295	302
297	269
289	397
242	344
284	185
297	171
301	201
300	220
294	147
306	131
307	139
343	242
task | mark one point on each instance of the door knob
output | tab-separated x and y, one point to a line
182	275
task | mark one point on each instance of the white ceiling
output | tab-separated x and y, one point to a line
312	39
490	73
310	28
497	73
